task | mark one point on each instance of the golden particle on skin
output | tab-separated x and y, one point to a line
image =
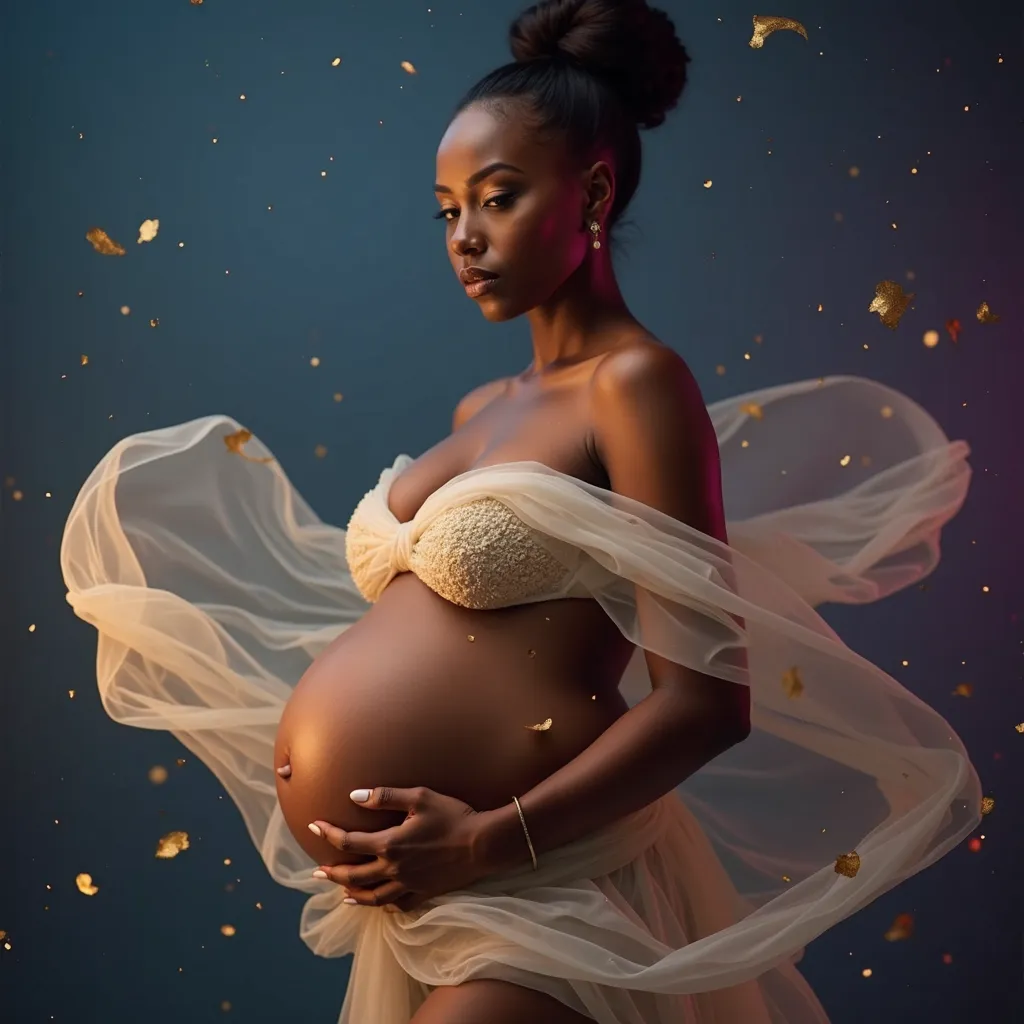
792	684
171	845
471	638
540	727
848	864
103	243
890	303
886	412
765	25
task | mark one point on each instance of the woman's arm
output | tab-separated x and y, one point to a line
657	444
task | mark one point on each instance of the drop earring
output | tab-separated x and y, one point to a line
595	229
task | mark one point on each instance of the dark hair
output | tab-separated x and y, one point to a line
594	71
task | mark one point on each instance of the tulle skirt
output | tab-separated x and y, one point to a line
213	585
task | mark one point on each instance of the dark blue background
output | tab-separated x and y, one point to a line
109	114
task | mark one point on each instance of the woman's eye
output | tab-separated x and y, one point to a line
503	200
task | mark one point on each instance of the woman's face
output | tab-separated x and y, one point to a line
522	221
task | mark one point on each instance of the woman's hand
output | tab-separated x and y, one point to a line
433	852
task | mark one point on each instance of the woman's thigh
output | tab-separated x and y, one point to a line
489	1001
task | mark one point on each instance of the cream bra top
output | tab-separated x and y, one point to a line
476	554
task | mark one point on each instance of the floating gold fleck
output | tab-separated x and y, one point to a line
1019	727
890	303
227	929
542	727
986	316
103	243
753	409
720	370
320	451
157	775
179	761
84	360
848	864
155	322
792	684
337	396
886	412
148	230
335	62
196	3
126	310
963	690
901	928
987	805
171	845
237	440
953	328
408	68
707	183
765	25
84	883
930	339
315	361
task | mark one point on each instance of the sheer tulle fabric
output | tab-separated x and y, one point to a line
213	585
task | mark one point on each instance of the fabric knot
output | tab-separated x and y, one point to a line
401	547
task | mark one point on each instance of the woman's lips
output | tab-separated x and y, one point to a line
480	287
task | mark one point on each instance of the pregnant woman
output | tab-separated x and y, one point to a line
619	769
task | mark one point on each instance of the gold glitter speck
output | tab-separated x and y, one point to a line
987	805
792	684
541	727
320	451
890	303
238	440
848	864
408	68
227	929
158	775
84	883
103	243
985	315
765	25
963	690
171	845
753	409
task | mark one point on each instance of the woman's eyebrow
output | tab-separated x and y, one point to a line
479	176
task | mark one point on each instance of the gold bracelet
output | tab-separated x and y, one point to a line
533	856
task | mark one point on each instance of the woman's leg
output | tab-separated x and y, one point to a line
489	1001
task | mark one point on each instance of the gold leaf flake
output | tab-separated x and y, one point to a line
963	690
753	409
335	62
84	883
155	322
158	775
338	396
237	440
987	805
986	316
171	845
901	928
765	25
792	684
890	303
148	230
103	243
407	67
1019	727
542	727
848	864
930	339
196	3
85	360
227	929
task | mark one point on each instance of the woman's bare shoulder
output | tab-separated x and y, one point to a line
474	401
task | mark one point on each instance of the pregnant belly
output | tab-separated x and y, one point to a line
404	698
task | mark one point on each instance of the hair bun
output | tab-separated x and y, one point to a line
632	47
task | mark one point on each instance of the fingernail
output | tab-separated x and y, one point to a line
319	874
349	900
360	795
284	771
315	829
